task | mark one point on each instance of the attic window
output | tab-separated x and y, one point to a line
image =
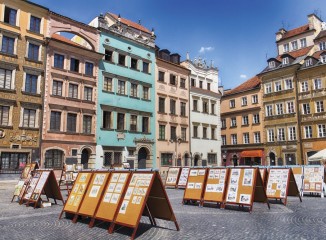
286	47
308	62
322	45
271	64
285	61
323	58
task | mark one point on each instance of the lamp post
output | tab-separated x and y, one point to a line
190	159
177	141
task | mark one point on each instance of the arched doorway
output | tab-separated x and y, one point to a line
235	160
142	157
272	159
196	160
84	158
186	157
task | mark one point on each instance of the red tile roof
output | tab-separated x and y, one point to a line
322	34
66	40
296	54
247	85
131	23
317	54
296	31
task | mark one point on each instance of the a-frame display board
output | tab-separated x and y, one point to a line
147	198
77	194
28	191
112	195
298	176
47	185
183	179
29	167
313	181
216	185
263	173
195	185
173	177
245	187
281	184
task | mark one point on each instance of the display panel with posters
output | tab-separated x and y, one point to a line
172	177
183	179
263	174
313	181
195	185
31	186
216	185
298	176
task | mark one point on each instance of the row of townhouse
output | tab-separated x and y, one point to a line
104	96
278	117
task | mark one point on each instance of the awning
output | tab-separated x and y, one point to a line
319	156
251	153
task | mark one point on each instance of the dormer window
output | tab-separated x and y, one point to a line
271	64
285	61
286	47
322	46
303	42
308	62
323	58
294	45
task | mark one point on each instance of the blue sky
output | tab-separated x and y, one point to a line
238	35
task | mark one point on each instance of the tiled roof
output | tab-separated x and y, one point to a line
247	85
294	32
296	54
318	53
66	40
131	23
321	34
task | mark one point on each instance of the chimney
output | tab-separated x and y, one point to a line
314	22
280	34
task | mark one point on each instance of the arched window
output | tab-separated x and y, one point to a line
53	159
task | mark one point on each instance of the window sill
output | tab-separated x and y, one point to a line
56	131
134	97
244	105
173	115
6	127
59	69
31	94
147	73
196	111
183	116
223	128
233	126
184	88
88	75
10	25
121	130
213	114
120	65
71	133
134	69
120	94
161	82
110	92
75	72
255	124
33	60
254	103
108	61
88	101
245	125
162	113
35	33
146	100
174	85
205	112
8	90
73	99
195	137
161	140
106	129
29	128
205	139
9	55
87	134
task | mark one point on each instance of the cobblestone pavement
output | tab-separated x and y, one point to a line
306	220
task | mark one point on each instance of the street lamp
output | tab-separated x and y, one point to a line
177	141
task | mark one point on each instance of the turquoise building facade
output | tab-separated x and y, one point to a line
126	94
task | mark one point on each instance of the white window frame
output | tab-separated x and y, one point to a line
246	138
244	101
308	62
254	99
38	89
322	46
278	86
233	123
292	133
257	137
271	64
11	107
256	119
290	105
234	139
303	42
269	110
323	58
321	128
245	120
285	61
281	134
304	109
294	45
17	16
317	83
288	84
279	108
37	113
319	106
7	34
286	47
232	103
270	135
223	137
39	58
268	88
308	132
13	78
304	86
29	21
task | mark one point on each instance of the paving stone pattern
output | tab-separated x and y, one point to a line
306	220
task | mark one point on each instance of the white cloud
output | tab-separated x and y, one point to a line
243	76
206	49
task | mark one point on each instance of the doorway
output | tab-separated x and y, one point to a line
196	160
142	157
85	158
272	159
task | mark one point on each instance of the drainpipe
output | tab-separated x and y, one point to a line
298	117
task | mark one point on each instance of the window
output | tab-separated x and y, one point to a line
285	61
244	101
89	68
55	121
278	86
183	109
319	106
268	88
308	62
286	47
193	82
108	55
223	139
234	139
173	132
232	103
133	90
121	87
288	84
73	91
254	99
87	124
256	118
270	135
208	86
223	123
246	138
269	110
213	130
233	122
292	134
107	84
322	45
195	132
88	93
304	86
74	152
172	79
306	108
134	63
8	45
53	159
212	108
145	67
145	125
35	24
271	64
74	65
184	134
12	160
122	59
166	159
10	16
321	130
303	42
256	137
290	107
161	76
205	132
145	93
294	45
57	88
106	123
280	134
245	120
317	83
33	51
308	131
195	105
201	84
4	115
212	158
205	107
71	122
133	123
161	105
59	61
172	106
161	135
29	118
183	83
5	78
31	83
323	58
121	121
279	109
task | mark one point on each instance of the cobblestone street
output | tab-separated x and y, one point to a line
297	220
